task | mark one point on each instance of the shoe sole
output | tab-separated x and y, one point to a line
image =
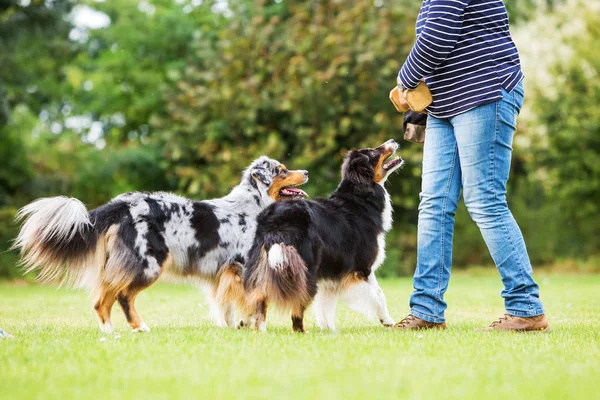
393	328
544	330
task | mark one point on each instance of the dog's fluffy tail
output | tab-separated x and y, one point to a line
279	274
58	239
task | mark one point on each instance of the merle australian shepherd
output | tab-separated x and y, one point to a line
122	247
327	248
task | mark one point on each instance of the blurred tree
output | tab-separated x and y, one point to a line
520	11
571	119
178	94
34	45
120	78
303	82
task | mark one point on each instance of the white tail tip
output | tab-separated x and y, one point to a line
276	256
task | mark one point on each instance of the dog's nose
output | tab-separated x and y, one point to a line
304	172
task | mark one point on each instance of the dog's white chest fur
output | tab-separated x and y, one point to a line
387	225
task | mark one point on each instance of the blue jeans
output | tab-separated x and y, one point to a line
472	152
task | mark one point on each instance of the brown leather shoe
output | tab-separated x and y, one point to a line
522	324
412	323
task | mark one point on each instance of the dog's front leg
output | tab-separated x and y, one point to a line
324	308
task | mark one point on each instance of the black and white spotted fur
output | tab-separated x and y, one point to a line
125	245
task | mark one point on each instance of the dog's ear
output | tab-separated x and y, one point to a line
359	160
357	169
262	175
359	163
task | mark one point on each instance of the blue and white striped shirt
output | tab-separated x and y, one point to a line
465	53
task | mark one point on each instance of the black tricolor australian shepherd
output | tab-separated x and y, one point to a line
326	247
122	247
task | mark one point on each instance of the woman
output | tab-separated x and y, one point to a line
466	56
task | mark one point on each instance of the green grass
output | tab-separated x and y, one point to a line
58	351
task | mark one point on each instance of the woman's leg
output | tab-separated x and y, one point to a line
484	136
439	196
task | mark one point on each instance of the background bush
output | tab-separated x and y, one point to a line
182	95
8	231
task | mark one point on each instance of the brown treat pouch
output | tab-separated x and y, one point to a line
418	98
395	94
414	126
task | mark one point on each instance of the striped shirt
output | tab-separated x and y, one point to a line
465	53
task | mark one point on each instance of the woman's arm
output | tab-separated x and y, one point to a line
435	42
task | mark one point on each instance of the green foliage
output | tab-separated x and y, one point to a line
181	96
520	11
15	171
8	231
268	87
121	76
33	47
124	170
572	121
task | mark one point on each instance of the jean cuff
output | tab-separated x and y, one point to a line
426	317
525	314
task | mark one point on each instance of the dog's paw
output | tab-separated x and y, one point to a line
243	324
387	322
261	327
142	328
107	328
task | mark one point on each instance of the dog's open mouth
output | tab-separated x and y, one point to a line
292	193
393	162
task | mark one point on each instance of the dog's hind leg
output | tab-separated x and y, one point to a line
126	299
366	297
127	295
227	293
298	318
258	303
325	305
103	306
261	315
217	310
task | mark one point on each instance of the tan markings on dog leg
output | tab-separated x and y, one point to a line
366	297
115	274
256	309
217	311
229	291
298	318
126	298
127	301
351	279
103	306
261	315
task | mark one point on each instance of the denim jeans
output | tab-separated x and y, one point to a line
472	152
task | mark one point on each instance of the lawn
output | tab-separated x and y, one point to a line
58	351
